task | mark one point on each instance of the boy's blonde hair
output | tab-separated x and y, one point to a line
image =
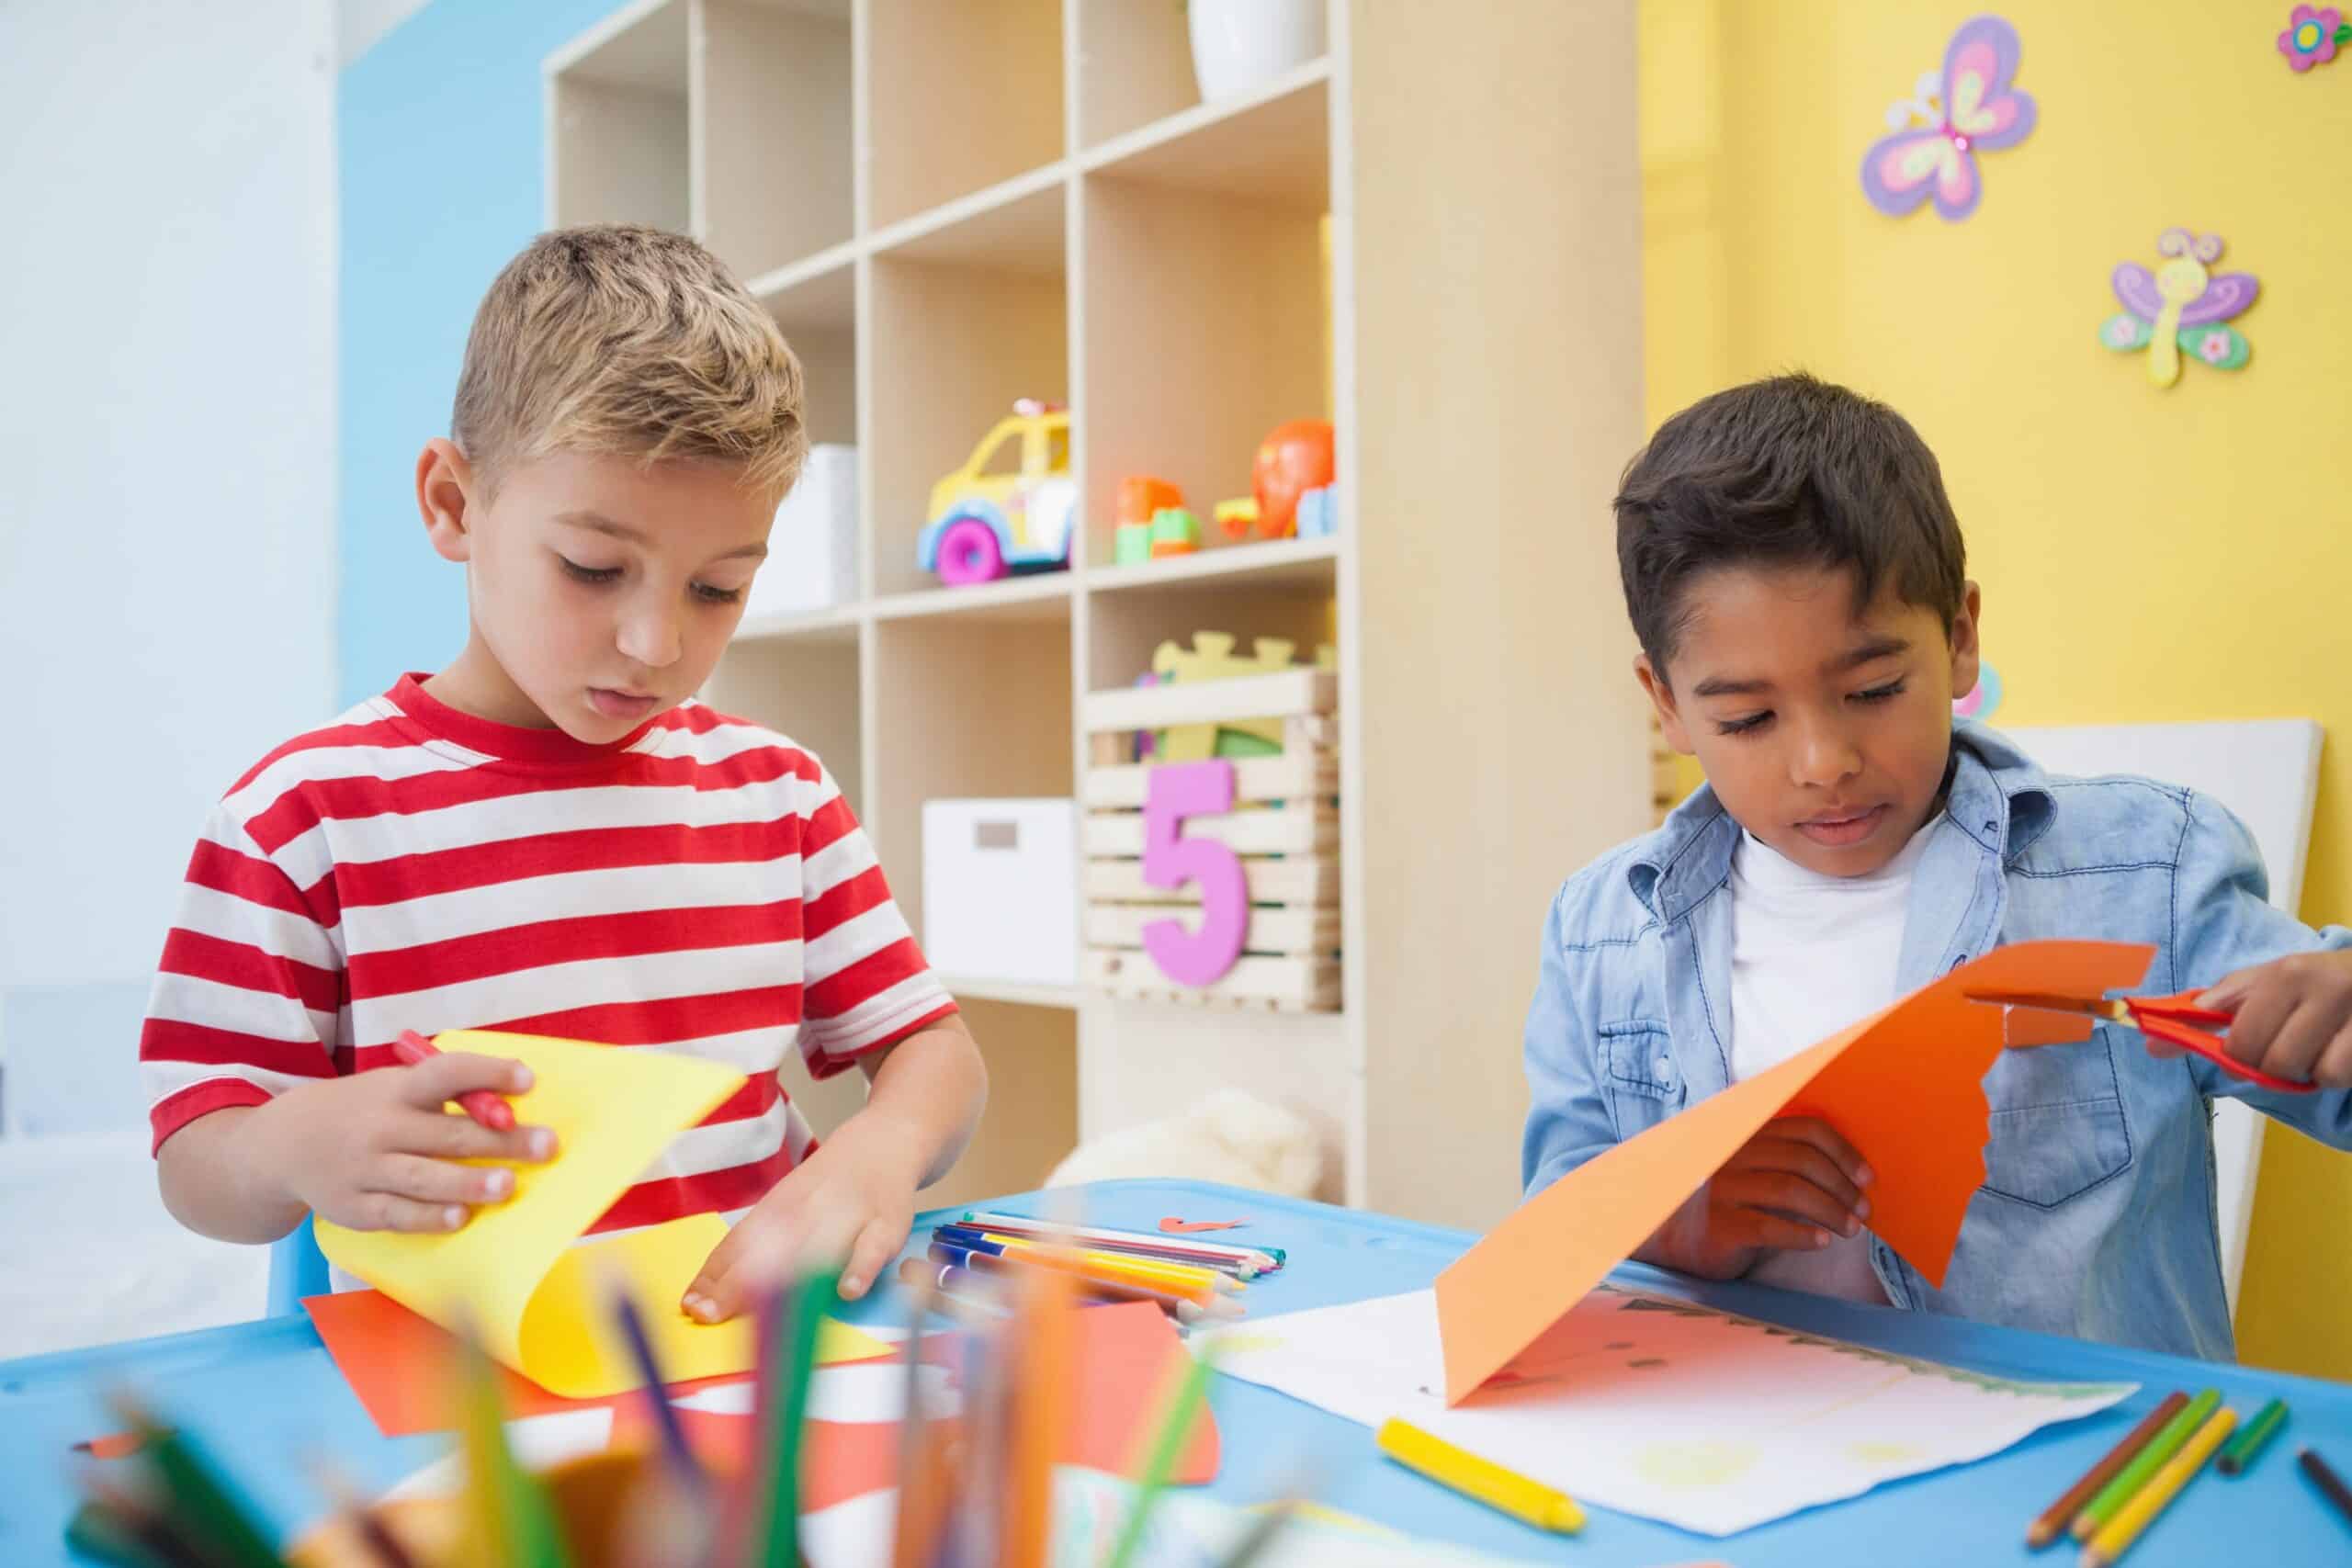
619	339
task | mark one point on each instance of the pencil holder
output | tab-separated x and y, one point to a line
593	1496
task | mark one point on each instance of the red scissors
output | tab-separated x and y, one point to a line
2172	1019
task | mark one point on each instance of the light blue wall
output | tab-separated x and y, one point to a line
440	145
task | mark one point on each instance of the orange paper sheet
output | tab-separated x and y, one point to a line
1904	1086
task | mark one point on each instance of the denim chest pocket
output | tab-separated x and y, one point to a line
1643	1086
2058	1127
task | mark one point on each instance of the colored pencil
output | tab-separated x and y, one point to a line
1168	1268
374	1538
2331	1485
2056	1517
686	1468
2167	1442
1183	1308
2247	1445
1151	1244
124	1537
201	1503
1160	1272
2116	1537
1078	1263
1527	1501
486	1107
1179	1412
511	1512
1274	1519
780	1540
922	1446
1042	1361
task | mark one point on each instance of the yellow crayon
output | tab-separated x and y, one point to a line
1530	1501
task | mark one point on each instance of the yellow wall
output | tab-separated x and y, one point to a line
2145	555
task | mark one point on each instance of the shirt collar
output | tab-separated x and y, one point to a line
1997	796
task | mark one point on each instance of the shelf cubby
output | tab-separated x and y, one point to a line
773	74
1206	327
960	98
1124	630
618	135
970	707
1135	66
966	319
818	314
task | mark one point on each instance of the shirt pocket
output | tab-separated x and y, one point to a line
2057	1128
1639	1072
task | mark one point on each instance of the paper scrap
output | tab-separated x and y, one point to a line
1904	1086
513	1272
1659	1408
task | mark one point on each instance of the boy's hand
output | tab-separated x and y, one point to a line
1788	1189
2292	1017
853	1199
374	1151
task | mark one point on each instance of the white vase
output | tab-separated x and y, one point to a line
1239	45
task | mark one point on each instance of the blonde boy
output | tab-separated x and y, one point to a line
552	835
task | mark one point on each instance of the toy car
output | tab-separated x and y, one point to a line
1010	507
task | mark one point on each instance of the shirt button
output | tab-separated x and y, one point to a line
1666	1063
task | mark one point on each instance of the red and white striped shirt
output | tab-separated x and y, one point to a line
699	886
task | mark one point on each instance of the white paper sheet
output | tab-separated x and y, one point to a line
1660	1408
1186	1531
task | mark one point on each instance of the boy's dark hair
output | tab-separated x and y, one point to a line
1786	471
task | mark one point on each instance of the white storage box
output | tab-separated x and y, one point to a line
812	548
999	890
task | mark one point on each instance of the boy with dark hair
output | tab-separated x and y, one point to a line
1796	578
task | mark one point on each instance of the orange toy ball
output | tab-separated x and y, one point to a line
1293	458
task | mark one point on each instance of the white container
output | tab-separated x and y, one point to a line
812	548
1238	45
999	890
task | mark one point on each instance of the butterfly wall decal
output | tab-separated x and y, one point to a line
2181	306
1939	133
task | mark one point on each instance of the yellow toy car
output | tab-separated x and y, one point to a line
1010	507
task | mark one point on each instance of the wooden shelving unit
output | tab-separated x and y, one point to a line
950	205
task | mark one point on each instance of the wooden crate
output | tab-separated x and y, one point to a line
1284	827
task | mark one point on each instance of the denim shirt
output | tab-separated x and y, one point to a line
2097	1215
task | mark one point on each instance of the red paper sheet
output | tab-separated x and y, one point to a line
1127	1355
398	1364
396	1361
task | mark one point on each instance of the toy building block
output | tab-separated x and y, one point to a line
1236	518
1319	512
1141	496
1132	544
1175	532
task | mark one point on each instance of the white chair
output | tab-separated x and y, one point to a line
2265	770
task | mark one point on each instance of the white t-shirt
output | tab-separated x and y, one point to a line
1810	955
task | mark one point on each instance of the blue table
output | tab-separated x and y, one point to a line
268	1394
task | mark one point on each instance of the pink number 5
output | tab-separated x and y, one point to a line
1170	859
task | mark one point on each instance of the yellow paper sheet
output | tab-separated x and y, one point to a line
514	1275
